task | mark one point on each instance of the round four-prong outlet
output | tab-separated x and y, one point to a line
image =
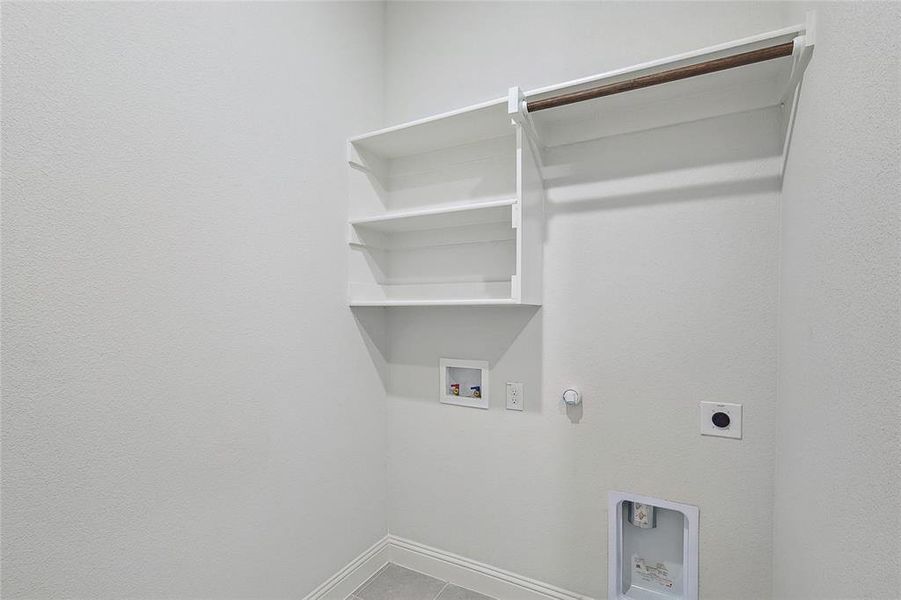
720	419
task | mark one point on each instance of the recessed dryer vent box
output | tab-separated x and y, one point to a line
463	382
653	549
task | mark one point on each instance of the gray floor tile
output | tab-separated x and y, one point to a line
397	583
455	592
371	577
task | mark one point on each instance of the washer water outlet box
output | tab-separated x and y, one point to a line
721	419
463	382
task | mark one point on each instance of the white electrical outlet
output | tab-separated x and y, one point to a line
514	395
721	419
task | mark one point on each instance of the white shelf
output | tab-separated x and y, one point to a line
451	207
733	90
439	302
751	87
448	211
463	293
475	123
771	83
754	42
439	217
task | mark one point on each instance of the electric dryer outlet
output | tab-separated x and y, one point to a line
721	419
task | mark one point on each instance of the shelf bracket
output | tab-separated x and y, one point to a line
517	107
802	52
801	55
366	161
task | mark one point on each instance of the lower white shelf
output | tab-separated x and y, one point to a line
487	293
439	302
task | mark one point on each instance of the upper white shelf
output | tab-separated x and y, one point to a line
738	46
471	124
749	87
439	217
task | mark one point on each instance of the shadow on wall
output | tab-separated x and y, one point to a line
731	155
373	329
508	337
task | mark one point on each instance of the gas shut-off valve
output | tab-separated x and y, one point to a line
572	397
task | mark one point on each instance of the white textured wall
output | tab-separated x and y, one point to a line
188	407
838	483
661	273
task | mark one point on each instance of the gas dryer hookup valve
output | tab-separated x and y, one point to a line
572	397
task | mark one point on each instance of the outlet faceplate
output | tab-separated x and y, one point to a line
721	419
514	395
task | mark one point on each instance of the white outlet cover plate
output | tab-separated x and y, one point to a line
514	395
733	430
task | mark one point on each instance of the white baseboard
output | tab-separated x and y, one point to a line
472	574
459	570
341	584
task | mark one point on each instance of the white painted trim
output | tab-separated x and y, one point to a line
354	574
443	565
472	574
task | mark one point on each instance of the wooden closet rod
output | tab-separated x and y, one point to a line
710	66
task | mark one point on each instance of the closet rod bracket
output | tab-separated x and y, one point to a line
518	109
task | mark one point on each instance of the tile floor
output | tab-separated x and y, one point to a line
394	582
